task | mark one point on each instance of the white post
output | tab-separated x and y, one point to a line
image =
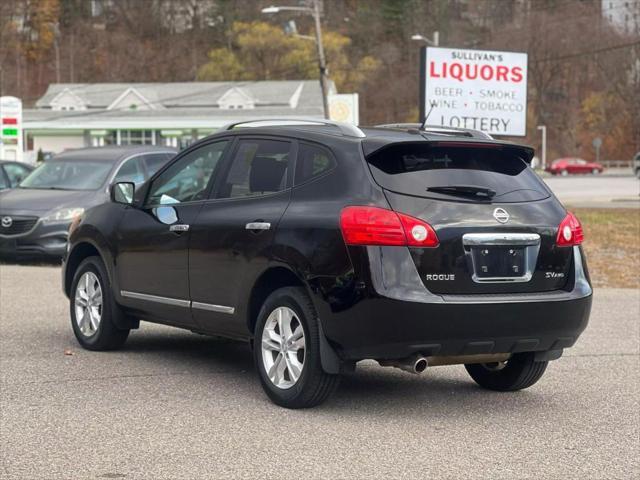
543	128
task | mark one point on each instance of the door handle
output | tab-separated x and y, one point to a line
258	226
179	228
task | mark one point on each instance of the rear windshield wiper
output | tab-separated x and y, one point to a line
466	190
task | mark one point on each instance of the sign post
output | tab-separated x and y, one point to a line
477	89
597	143
10	128
543	129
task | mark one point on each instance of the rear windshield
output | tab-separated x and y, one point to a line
456	172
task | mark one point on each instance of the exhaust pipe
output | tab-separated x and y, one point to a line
415	364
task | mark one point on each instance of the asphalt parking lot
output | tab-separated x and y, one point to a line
602	191
173	404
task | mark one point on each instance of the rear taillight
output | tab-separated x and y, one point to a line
569	231
379	226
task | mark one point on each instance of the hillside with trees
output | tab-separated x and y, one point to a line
584	73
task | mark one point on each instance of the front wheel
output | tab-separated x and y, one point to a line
519	372
93	308
287	351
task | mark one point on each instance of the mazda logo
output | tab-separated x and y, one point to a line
501	215
6	222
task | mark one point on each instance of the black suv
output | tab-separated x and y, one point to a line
324	244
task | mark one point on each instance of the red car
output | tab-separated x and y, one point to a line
565	166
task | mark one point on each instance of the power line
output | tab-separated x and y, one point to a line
589	52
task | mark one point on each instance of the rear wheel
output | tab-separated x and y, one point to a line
564	173
287	351
519	372
595	171
93	309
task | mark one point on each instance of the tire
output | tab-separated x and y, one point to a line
595	171
97	330
519	372
564	173
312	386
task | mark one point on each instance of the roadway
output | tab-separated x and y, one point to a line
600	191
173	404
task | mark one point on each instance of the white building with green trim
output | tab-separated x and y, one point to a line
173	114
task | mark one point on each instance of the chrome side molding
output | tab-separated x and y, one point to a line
213	308
177	302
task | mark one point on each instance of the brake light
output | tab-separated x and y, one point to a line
570	231
379	226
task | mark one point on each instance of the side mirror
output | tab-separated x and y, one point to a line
123	192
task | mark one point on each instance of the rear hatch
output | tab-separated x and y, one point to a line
495	218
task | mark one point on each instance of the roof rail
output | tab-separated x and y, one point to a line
346	129
438	130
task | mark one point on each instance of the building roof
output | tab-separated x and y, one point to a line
185	105
188	94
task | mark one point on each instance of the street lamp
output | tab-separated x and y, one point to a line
423	114
314	11
421	38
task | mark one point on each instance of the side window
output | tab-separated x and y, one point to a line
312	161
130	171
258	167
16	173
155	161
187	179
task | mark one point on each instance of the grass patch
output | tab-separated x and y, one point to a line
612	245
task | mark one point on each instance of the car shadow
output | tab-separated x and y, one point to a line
370	390
31	261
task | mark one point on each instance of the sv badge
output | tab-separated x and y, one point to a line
554	275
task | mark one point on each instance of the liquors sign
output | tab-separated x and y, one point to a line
479	89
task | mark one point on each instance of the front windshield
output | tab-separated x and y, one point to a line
65	175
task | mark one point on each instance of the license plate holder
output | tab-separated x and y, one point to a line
501	257
498	261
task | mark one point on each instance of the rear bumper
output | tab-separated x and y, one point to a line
401	317
396	329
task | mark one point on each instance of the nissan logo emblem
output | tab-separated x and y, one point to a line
501	215
7	222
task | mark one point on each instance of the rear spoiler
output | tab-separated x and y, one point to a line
372	145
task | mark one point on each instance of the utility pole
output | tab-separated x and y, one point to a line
543	128
314	11
56	48
322	64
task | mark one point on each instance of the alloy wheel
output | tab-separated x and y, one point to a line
88	304
283	347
